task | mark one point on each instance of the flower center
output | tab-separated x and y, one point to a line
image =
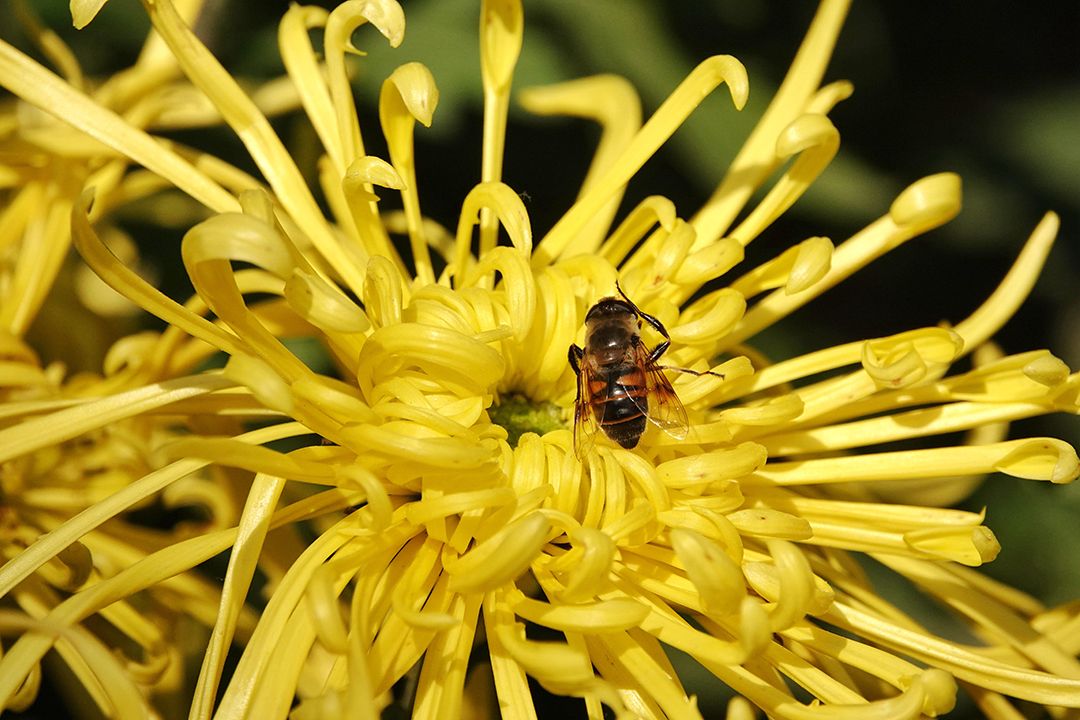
518	414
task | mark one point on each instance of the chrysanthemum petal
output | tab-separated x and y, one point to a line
909	358
717	579
714	466
968	547
925	204
501	31
407	96
508	208
323	305
705	78
612	102
230	452
501	557
244	685
50	430
1032	458
413	588
770	412
757	158
340	25
710	318
653	210
938	698
770	523
649	675
254	129
298	56
49	545
815	140
515	698
796	269
1012	291
39	87
128	283
83	11
442	678
43	252
251	531
1012	680
121	697
517	283
600	616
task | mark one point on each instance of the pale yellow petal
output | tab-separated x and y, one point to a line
407	96
1033	458
613	103
653	210
39	87
128	283
501	31
925	204
388	19
500	558
442	678
511	684
815	140
1019	682
83	11
1004	301
254	523
255	131
51	44
298	56
705	78
757	159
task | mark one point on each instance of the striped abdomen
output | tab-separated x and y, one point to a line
618	399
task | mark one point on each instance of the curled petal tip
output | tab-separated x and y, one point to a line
1041	459
83	11
805	132
939	690
731	71
388	17
374	170
1047	370
418	91
929	202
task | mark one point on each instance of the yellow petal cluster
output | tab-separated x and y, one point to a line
414	528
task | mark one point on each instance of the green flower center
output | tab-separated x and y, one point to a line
518	414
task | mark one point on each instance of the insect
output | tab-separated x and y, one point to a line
620	382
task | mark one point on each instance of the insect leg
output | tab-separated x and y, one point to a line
655	324
574	354
688	371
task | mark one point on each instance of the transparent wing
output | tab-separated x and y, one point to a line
585	426
664	409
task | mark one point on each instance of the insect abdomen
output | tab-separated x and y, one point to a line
619	406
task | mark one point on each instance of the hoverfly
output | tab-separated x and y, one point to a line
620	384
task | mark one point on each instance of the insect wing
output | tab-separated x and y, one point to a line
585	425
664	408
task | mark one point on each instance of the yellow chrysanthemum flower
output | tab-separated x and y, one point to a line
137	641
444	544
